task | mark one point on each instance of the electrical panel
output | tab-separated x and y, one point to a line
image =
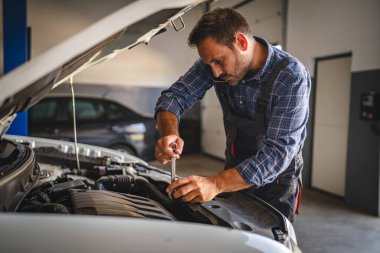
370	106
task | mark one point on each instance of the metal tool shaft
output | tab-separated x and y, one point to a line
173	169
173	146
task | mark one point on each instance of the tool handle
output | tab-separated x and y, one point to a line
173	146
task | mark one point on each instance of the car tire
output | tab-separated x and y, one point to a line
124	148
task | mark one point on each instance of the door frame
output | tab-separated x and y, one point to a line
314	97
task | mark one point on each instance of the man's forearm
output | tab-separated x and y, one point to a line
167	123
230	180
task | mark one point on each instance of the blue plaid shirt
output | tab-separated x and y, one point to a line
287	110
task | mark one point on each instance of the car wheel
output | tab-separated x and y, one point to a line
123	148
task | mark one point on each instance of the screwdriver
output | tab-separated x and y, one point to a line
173	146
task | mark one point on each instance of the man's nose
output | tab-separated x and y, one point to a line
216	71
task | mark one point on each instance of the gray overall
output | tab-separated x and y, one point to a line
244	138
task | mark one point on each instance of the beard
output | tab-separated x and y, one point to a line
240	70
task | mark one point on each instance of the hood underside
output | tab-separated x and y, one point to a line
136	23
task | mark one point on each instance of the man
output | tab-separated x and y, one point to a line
264	94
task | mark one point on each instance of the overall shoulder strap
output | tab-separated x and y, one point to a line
262	101
221	93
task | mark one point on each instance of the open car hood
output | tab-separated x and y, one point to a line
135	23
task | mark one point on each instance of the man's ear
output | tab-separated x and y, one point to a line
241	41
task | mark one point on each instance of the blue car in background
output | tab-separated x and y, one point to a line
100	122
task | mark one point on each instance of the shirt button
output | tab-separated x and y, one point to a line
243	81
241	102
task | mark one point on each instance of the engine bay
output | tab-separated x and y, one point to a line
42	176
99	187
50	182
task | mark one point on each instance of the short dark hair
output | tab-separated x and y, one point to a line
220	24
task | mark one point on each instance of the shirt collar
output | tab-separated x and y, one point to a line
260	74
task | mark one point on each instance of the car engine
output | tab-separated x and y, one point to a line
43	176
99	187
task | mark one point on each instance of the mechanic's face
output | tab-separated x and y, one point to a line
227	64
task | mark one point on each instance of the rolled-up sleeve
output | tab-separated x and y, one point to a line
184	93
286	131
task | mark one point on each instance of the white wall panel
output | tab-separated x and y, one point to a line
331	125
328	27
263	16
213	136
159	64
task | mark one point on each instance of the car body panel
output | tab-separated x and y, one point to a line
110	234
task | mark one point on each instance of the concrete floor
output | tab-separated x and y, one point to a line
325	224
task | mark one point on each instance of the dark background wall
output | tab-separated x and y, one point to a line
362	180
362	175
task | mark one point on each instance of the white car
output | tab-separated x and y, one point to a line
58	196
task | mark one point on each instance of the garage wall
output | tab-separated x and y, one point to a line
146	70
324	28
156	65
264	16
54	21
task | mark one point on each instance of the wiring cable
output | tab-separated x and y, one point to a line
74	122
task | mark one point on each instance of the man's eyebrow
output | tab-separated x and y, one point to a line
217	59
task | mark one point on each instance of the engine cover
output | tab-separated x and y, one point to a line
99	202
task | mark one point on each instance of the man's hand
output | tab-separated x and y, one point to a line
167	125
164	152
203	189
194	189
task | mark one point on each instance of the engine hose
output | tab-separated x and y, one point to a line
143	185
135	185
118	183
